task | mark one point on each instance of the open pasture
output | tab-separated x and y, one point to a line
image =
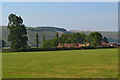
94	63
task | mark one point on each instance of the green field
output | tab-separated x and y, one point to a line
96	63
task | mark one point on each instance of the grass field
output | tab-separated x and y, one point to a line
96	63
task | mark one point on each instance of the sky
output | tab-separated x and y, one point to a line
95	16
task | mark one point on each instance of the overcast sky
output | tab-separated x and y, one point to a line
69	15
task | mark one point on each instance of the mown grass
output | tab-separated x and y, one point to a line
96	63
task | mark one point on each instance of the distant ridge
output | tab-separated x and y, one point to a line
50	32
46	28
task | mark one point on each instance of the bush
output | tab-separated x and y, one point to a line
53	49
105	46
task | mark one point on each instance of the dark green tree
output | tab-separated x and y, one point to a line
57	34
66	38
3	43
43	38
105	40
78	38
37	40
94	38
17	32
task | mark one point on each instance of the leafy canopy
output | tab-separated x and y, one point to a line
17	32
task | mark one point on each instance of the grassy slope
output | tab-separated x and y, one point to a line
97	63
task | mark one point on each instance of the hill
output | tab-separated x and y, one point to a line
46	28
50	32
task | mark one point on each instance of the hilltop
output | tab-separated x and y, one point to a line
46	28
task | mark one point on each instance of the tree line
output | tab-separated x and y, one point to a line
94	39
18	36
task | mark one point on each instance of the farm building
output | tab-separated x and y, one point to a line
110	44
107	44
77	45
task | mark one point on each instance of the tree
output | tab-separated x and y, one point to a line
37	40
78	38
3	43
66	38
57	34
105	40
17	32
43	38
94	38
